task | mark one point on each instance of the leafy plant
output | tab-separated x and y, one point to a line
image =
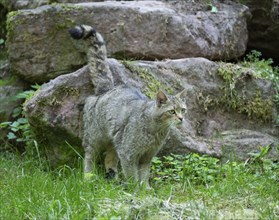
19	129
192	167
203	170
262	68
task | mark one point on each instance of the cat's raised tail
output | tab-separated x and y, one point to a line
99	70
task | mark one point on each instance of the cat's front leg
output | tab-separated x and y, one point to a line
144	173
129	167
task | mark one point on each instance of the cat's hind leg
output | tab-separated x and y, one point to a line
90	156
111	163
88	161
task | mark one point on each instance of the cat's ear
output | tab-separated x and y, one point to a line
181	95
161	98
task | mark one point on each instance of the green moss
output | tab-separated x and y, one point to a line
68	91
153	85
255	106
9	26
233	91
206	102
10	20
258	107
67	7
59	95
57	150
12	23
13	14
57	145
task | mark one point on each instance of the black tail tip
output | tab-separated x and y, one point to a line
76	32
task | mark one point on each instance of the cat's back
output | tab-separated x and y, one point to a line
120	105
117	108
121	96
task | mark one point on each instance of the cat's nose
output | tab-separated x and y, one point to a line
180	118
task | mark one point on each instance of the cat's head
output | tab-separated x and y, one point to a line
171	109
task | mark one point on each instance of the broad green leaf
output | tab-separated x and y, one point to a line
11	136
22	120
5	124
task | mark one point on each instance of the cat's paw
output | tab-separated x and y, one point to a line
111	174
88	176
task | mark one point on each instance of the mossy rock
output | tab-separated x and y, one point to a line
41	49
246	92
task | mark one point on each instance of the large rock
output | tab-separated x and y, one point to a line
14	5
40	48
55	112
240	144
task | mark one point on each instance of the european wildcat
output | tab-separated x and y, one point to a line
130	128
126	125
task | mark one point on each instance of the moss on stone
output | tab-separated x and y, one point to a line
153	84
13	22
59	95
254	107
67	6
206	102
66	91
9	24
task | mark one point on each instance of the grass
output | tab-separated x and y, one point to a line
29	190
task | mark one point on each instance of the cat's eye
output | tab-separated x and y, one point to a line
183	110
172	111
